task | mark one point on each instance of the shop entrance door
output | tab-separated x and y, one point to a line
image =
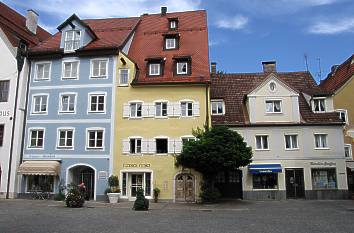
295	183
87	176
136	183
229	184
350	177
184	188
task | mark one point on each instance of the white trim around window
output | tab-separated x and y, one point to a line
156	102
36	79
154	69
323	141
96	130
349	148
99	75
33	104
274	108
319	104
345	112
65	147
60	110
185	112
77	72
262	148
217	102
98	95
29	139
136	109
121	84
75	41
293	145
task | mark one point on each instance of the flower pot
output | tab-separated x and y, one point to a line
113	197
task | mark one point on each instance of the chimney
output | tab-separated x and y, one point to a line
163	10
213	68
269	66
32	21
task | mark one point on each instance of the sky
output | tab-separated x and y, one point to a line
242	33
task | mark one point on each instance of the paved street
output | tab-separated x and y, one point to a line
239	216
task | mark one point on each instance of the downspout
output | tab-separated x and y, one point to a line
20	57
207	105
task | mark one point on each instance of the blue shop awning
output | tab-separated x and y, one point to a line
264	168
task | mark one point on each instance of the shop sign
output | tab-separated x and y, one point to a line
102	175
4	113
329	164
136	165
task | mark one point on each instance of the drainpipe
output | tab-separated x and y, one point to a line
20	58
207	105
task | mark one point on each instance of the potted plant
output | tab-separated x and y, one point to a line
113	191
156	194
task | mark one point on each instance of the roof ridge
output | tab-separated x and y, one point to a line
130	17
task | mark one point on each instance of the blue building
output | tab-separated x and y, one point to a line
70	112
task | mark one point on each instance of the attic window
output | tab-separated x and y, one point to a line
319	105
171	42
72	40
272	86
183	66
173	23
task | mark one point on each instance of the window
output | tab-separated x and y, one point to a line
217	107
187	139
182	67
319	105
273	106
154	69
72	40
265	181
262	142
95	139
42	71
343	115
321	141
173	24
97	103
36	183
123	76
170	43
99	68
187	108
161	145
39	104
324	178
67	103
36	138
65	138
4	90
135	109
70	70
272	86
135	145
291	142
2	128
347	151
161	109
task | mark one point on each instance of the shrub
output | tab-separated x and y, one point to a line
209	194
74	198
113	184
141	203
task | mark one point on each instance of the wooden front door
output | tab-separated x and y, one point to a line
185	190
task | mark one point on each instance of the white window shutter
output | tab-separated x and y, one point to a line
126	110
126	146
177	109
152	109
170	109
171	146
196	109
145	110
152	147
178	146
144	146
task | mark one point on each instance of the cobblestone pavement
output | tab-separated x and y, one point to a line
238	216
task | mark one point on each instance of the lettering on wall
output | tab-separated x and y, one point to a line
323	164
4	113
140	165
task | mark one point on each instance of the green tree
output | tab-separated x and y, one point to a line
217	149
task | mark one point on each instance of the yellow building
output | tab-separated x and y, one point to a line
341	83
162	94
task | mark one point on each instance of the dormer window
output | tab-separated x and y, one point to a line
273	106
171	42
182	65
154	69
155	66
72	40
319	105
173	23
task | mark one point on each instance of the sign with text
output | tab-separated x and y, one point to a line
136	165
4	113
328	164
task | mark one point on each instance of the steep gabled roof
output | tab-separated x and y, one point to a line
148	42
14	26
233	89
339	75
111	33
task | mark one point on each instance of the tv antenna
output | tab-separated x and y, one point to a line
306	62
319	73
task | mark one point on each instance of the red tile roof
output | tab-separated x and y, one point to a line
193	42
111	33
233	88
339	76
13	25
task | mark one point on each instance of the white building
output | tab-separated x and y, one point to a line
17	33
295	135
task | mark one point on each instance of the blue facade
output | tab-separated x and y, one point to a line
80	160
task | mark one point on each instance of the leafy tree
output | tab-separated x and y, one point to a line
217	149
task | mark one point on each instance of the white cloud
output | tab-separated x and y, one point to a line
333	27
235	23
107	8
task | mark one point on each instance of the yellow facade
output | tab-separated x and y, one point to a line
162	168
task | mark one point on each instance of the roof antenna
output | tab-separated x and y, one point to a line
306	61
319	73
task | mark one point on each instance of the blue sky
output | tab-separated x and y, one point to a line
242	33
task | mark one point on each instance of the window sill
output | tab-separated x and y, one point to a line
135	118
219	114
320	148
274	113
265	189
292	149
123	85
63	112
94	148
35	148
39	80
96	112
262	149
69	78
64	148
39	113
161	154
161	117
98	77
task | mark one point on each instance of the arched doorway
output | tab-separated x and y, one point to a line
185	188
80	173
